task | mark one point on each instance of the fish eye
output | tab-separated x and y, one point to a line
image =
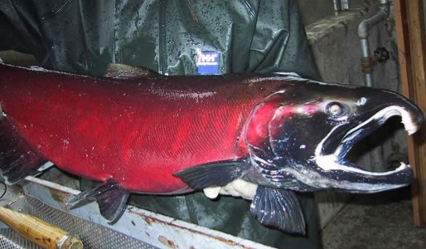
335	109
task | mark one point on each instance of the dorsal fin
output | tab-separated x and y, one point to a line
124	71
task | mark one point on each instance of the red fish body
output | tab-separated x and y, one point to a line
260	136
137	132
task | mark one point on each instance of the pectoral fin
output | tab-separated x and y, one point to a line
215	174
111	199
278	208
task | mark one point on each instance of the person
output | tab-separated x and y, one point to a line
173	38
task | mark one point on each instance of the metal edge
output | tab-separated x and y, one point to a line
149	227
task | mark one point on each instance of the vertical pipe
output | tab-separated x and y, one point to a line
366	62
363	32
337	5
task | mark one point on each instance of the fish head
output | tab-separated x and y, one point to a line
298	138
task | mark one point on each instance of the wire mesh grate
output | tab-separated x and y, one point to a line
91	234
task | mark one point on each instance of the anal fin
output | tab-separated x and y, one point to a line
278	208
111	199
214	174
18	159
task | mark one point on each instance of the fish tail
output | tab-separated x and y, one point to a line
18	159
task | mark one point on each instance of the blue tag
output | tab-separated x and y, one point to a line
207	62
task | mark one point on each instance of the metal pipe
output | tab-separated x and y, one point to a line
340	5
367	61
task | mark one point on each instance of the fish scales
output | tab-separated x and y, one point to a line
130	129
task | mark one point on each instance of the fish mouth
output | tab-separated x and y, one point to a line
351	177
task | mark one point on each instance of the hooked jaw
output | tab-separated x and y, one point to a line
346	176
